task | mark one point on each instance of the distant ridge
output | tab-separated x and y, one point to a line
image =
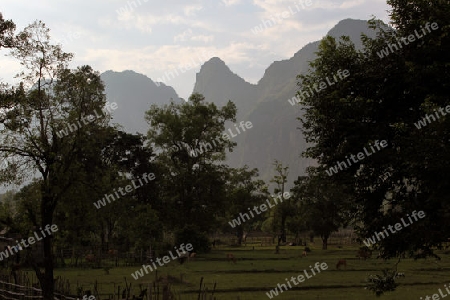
275	133
134	93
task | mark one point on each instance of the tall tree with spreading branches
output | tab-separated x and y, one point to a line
51	125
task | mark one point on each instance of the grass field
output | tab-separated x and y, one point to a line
260	270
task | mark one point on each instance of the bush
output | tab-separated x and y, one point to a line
379	284
191	235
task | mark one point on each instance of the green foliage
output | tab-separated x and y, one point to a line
143	227
49	98
7	28
192	235
193	186
8	212
243	191
285	209
323	205
380	284
382	99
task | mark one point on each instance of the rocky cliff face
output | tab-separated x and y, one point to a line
275	133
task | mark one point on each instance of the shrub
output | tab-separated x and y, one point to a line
379	284
192	235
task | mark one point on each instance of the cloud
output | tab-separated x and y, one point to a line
203	38
183	36
188	35
166	58
231	2
191	10
161	58
351	4
10	68
153	36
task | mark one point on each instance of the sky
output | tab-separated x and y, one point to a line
154	37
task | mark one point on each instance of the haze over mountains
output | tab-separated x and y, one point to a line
275	133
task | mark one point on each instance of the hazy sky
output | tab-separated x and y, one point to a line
152	37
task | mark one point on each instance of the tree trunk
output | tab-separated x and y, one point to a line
240	236
324	243
46	278
283	226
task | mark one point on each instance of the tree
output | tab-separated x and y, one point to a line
190	143
7	29
127	155
322	205
297	222
9	212
284	209
244	193
383	99
34	133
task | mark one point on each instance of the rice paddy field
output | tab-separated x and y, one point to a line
258	270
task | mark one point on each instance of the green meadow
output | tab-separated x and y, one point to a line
259	269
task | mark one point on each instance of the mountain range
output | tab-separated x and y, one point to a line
275	133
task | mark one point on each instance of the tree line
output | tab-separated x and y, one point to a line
193	196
